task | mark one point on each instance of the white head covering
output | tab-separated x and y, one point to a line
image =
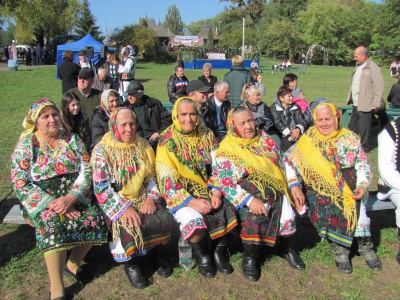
104	98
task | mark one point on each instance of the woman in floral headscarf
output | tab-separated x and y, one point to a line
184	169
336	175
51	176
123	178
256	179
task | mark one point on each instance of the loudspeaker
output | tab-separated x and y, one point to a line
89	51
103	51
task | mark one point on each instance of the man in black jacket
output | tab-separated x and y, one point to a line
176	85
394	95
151	115
219	106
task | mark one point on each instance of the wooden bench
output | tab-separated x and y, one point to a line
393	114
168	105
14	216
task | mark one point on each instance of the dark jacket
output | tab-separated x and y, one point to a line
287	119
236	78
213	80
99	125
263	117
394	95
160	118
212	110
176	87
68	72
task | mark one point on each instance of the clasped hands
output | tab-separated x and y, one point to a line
65	205
203	206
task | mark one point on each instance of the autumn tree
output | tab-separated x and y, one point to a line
173	20
86	23
251	8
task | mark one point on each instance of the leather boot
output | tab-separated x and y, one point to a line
366	250
290	254
220	260
204	263
342	257
161	258
135	275
250	267
398	237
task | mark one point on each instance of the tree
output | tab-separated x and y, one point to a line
86	23
251	8
173	20
40	19
210	39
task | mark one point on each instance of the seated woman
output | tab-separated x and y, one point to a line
288	118
207	78
183	172
336	175
109	101
74	119
51	176
123	179
262	115
256	179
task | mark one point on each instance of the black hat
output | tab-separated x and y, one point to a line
197	85
134	87
86	73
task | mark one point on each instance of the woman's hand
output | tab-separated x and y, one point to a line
131	218
257	207
358	193
201	205
295	134
299	198
149	207
62	205
72	213
216	199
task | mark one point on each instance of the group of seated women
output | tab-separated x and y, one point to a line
246	182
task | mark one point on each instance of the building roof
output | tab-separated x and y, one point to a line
159	29
204	33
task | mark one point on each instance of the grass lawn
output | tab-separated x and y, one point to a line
22	268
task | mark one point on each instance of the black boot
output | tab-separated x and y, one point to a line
204	263
290	254
341	257
135	275
161	259
222	264
366	250
398	237
250	267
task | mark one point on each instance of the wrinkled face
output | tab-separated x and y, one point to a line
102	75
187	116
223	94
254	98
199	97
126	125
133	98
112	103
74	106
286	100
49	122
180	72
325	120
245	125
207	72
359	58
85	84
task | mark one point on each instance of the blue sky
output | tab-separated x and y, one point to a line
111	14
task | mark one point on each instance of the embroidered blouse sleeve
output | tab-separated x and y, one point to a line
386	161
290	171
111	203
33	199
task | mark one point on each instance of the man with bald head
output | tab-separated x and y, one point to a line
103	81
365	94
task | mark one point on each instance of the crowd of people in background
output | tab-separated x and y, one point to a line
221	160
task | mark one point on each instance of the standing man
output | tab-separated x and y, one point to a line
366	92
84	62
39	53
219	106
127	70
176	84
237	77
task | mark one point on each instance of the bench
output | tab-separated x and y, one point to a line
393	114
14	216
168	105
260	70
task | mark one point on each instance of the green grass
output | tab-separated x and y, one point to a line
22	269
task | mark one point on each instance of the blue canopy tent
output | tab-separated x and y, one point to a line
87	41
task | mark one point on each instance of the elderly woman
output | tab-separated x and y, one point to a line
109	101
123	178
264	121
256	179
336	175
51	176
288	118
207	78
183	171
